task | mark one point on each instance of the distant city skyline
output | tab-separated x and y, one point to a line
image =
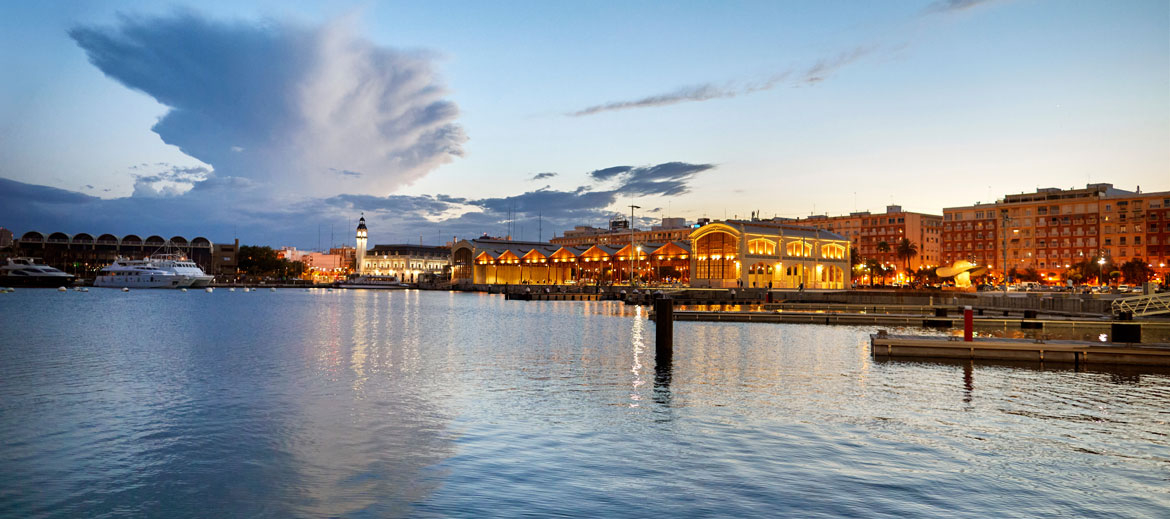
271	120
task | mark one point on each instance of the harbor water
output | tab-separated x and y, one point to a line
433	404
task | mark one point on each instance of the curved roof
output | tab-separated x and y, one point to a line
32	236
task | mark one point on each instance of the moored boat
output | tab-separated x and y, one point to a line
26	272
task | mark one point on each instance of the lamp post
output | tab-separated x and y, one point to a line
1006	219
1101	270
632	253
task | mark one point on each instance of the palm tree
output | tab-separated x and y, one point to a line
906	250
875	268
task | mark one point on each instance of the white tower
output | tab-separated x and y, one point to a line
360	254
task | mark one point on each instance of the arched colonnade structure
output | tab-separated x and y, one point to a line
755	254
499	262
85	253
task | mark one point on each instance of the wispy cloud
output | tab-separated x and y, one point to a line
810	75
542	176
946	6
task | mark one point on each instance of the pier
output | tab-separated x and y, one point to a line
1035	350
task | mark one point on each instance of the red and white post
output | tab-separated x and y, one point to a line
968	323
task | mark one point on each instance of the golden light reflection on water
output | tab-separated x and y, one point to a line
636	369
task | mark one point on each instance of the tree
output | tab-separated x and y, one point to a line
874	267
907	250
1136	271
264	262
883	247
855	258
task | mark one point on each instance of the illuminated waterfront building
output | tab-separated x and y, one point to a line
411	263
1052	229
763	253
727	254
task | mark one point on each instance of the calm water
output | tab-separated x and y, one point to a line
433	404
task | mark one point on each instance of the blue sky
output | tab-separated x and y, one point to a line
275	119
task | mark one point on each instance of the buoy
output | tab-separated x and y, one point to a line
125	289
85	290
208	290
272	290
62	289
232	289
182	290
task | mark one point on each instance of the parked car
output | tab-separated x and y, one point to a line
1124	289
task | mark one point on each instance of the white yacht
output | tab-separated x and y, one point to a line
185	267
25	272
152	273
382	282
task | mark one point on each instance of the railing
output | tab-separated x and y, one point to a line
1141	306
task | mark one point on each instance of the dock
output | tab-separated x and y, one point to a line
1078	353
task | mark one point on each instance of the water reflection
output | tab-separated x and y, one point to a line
636	369
384	404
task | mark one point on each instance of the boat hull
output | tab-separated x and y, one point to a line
140	282
36	281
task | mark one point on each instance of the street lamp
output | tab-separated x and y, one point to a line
632	207
1101	270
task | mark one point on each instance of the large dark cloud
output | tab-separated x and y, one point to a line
222	207
292	107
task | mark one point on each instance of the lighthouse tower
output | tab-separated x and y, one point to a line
360	254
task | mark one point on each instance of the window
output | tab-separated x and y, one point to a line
798	248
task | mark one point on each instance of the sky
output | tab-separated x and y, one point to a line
280	123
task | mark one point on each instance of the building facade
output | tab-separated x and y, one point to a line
411	263
1053	229
867	231
729	254
765	254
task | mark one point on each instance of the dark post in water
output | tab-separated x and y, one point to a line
663	328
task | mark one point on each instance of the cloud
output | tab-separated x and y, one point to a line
608	173
220	207
541	176
282	104
668	179
173	181
346	173
815	73
947	6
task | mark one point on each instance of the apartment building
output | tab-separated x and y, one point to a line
1052	229
866	231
